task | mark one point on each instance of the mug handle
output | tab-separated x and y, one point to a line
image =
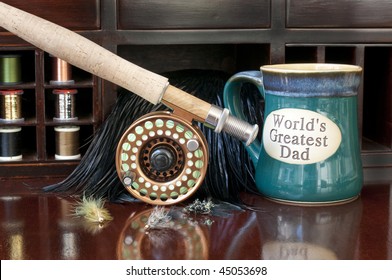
232	100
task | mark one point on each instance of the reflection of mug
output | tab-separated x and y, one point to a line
310	150
300	233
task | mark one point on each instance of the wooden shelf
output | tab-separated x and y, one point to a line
37	136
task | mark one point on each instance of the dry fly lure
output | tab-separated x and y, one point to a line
92	209
200	207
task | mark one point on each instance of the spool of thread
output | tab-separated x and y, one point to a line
10	71
10	143
61	72
11	105
67	142
65	104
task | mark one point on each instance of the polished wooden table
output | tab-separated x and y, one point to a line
36	225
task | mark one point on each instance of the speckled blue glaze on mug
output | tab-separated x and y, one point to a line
309	151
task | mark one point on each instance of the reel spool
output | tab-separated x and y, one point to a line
162	158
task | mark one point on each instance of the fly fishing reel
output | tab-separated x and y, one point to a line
162	158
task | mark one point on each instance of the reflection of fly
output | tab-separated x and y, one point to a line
159	218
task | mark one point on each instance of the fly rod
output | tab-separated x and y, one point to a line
89	56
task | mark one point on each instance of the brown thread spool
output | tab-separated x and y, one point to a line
11	105
10	143
61	72
65	104
67	142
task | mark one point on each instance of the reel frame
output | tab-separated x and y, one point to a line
162	158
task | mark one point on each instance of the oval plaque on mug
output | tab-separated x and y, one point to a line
299	136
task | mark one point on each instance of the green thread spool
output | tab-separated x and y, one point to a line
10	69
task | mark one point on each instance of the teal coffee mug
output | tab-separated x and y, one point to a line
309	151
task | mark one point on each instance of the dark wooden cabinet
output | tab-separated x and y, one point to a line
222	35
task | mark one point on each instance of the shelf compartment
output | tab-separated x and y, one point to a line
377	113
301	54
79	77
85	137
25	67
25	110
340	54
82	106
27	144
